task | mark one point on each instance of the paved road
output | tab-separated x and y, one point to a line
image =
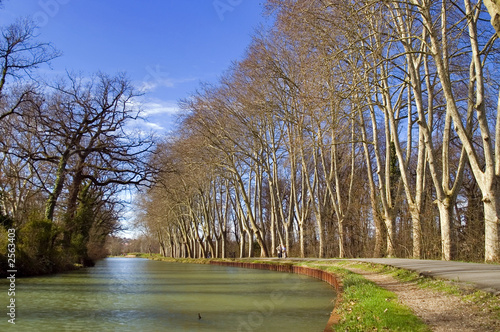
482	276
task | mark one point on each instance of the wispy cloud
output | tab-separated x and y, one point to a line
157	106
157	115
156	77
152	125
148	86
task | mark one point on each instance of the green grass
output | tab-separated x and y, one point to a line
367	307
484	300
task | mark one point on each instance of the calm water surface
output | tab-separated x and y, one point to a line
127	294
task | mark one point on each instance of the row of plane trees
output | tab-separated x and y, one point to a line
364	128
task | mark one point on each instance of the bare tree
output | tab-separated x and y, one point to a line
81	131
20	54
487	175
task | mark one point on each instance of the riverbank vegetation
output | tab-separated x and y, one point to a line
348	130
66	153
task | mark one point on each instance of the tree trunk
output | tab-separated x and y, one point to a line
301	240
242	243
416	234
379	231
223	245
58	186
491	222
321	236
341	237
446	219
250	244
379	237
389	225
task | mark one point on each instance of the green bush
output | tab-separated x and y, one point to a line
3	250
3	241
37	250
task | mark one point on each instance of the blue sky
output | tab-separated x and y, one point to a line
167	47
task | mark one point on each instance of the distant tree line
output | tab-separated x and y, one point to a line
367	128
118	246
65	154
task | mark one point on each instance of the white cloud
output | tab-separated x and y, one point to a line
143	128
151	85
157	115
156	106
154	126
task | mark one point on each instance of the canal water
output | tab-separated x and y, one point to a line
132	294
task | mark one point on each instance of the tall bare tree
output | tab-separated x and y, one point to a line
20	54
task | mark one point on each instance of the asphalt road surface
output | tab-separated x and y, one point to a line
481	276
485	277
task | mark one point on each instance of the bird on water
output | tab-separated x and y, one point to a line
199	316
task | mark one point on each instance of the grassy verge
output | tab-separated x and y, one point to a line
365	306
484	300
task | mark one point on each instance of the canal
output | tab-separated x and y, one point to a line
132	294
